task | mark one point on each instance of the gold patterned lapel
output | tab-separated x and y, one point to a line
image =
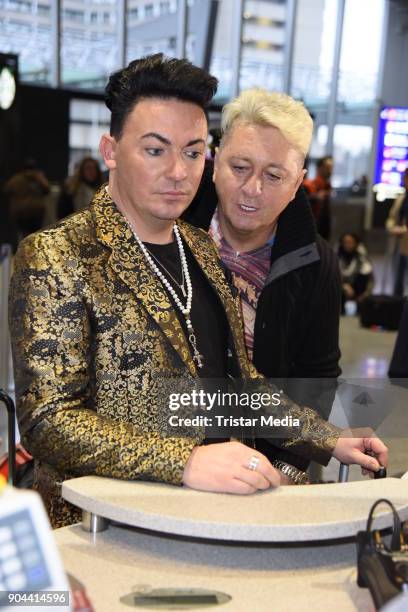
129	263
205	252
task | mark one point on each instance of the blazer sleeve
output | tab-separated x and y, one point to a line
58	423
306	435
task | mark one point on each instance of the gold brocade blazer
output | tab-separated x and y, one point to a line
93	336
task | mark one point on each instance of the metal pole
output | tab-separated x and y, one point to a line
376	114
343	472
5	272
93	522
181	28
236	46
205	60
121	13
291	10
331	111
56	43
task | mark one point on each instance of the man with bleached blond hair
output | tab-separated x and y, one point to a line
286	274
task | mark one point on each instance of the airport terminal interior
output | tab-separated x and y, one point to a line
346	61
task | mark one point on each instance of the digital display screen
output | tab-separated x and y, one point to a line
22	563
392	150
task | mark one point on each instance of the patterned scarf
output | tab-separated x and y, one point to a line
249	271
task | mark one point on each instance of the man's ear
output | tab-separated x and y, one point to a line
298	183
107	147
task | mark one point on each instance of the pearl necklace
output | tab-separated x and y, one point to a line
197	357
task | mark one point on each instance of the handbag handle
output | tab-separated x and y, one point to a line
396	529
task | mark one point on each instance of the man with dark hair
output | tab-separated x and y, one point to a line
119	298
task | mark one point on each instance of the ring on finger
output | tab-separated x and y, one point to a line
253	463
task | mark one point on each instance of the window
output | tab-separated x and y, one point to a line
164	8
148	10
88	121
73	15
22	6
352	150
88	54
359	63
43	10
29	36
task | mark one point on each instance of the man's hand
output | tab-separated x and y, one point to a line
285	480
348	290
223	468
398	230
367	450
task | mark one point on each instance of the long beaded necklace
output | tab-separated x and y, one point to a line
197	357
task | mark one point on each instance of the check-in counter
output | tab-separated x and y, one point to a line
174	548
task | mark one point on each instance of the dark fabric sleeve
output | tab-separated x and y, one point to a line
320	353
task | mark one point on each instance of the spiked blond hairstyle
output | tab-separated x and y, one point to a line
257	106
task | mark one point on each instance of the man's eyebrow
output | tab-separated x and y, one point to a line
166	141
249	161
158	136
196	141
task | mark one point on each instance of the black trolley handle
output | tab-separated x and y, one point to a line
11	410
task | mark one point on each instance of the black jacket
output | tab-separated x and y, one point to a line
297	320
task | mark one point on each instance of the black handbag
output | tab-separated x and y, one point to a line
382	567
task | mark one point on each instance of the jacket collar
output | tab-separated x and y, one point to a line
129	263
295	244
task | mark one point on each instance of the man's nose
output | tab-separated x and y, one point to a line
252	186
177	170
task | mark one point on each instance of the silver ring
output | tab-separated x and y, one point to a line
253	463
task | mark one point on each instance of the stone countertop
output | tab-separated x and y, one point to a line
287	514
261	577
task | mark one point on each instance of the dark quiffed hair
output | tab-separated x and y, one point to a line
156	76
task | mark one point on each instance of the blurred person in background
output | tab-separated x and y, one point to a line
319	191
26	192
397	226
80	188
359	186
356	269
